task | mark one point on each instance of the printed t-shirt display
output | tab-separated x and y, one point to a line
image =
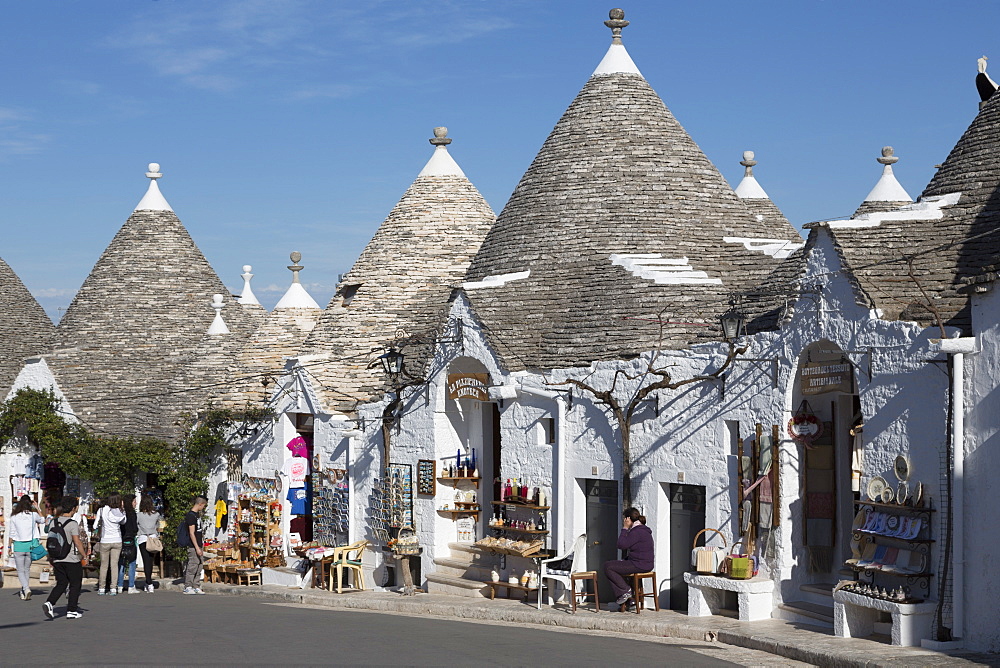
297	470
297	499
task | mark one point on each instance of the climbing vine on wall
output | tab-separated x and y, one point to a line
112	463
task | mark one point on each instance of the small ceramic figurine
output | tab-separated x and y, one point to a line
495	575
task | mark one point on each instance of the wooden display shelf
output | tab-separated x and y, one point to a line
459	511
510	588
538	532
454	479
520	505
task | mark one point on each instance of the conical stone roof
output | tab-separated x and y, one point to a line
135	323
887	194
403	280
951	233
618	179
25	329
749	190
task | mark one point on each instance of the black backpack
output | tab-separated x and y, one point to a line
183	537
57	543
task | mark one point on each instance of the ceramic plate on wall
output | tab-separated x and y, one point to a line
902	493
887	495
918	495
875	487
901	467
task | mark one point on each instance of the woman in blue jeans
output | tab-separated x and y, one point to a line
637	539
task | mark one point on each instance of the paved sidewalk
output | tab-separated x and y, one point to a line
794	641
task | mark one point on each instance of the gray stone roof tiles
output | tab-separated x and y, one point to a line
617	175
25	329
402	281
136	322
945	250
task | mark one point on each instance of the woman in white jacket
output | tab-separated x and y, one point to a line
25	525
109	523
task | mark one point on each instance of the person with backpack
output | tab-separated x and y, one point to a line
68	557
24	531
129	529
189	536
109	523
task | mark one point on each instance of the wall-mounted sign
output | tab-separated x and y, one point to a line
468	386
833	376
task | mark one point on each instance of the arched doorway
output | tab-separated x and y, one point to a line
826	388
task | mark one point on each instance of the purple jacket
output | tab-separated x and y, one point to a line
639	542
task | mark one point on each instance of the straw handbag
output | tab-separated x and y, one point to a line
739	566
705	559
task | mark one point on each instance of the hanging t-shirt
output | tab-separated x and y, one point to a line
297	499
297	470
221	514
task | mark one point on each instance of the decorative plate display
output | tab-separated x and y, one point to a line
901	468
887	495
918	495
875	487
902	492
893	523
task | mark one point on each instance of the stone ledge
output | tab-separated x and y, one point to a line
925	608
757	585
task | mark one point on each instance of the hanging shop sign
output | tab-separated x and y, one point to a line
805	427
468	386
822	377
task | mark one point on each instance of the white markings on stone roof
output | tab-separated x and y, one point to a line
218	325
779	249
665	271
247	296
153	200
441	162
928	208
888	189
496	281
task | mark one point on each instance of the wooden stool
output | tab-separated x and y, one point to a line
584	576
251	577
638	597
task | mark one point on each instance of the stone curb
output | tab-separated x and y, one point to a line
810	646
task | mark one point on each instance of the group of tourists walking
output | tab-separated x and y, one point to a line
125	529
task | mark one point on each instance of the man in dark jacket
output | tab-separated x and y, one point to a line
637	539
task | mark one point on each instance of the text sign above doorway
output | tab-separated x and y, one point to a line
468	386
822	377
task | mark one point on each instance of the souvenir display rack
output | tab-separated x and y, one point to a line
426	481
259	530
331	504
891	544
391	502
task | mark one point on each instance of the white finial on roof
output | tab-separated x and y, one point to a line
748	187
296	295
247	296
984	84
888	188
441	162
218	325
153	200
616	60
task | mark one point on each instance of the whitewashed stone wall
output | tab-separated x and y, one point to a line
982	471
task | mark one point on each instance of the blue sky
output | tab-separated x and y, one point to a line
288	125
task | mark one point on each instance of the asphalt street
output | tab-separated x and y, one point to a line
168	628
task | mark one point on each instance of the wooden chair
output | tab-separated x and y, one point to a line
342	560
578	555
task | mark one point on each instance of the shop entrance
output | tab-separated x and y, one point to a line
603	525
826	389
687	518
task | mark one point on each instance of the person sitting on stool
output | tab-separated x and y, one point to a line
637	539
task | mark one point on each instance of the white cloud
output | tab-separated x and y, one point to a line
15	138
52	293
